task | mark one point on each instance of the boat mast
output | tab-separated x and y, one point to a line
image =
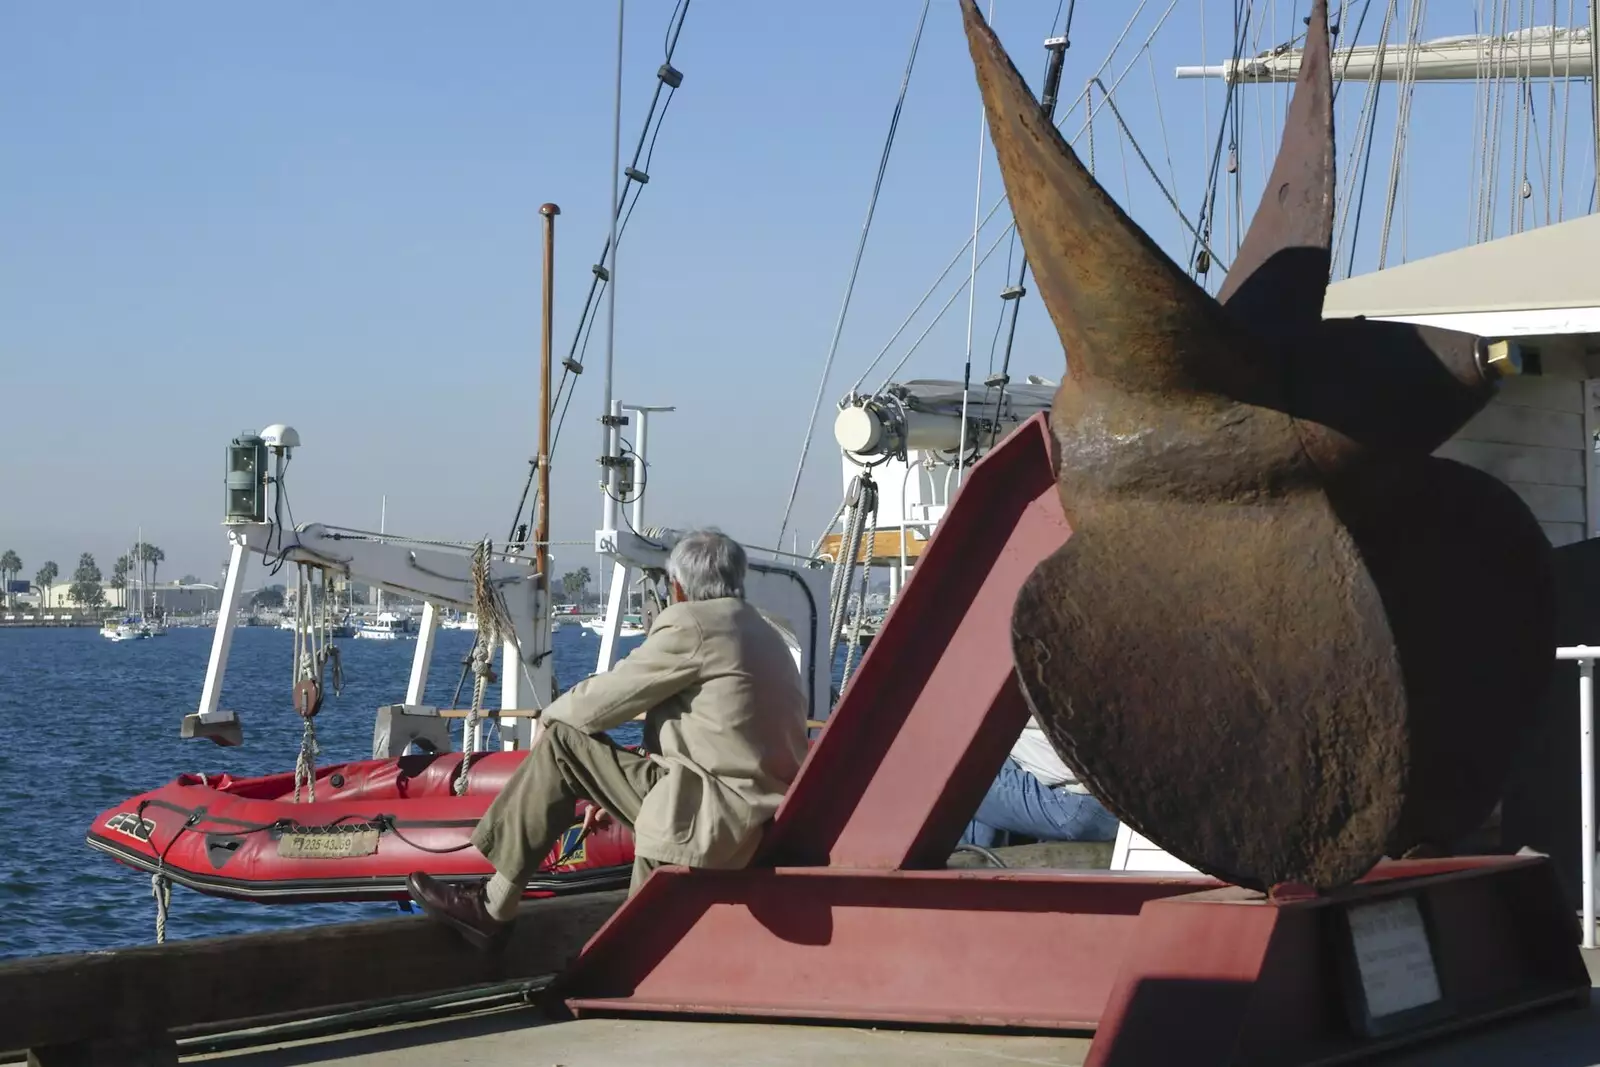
608	417
383	519
541	524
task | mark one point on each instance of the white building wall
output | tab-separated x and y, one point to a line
1533	437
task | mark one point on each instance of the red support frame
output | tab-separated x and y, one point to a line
844	916
926	721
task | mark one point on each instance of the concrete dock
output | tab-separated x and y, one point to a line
520	1037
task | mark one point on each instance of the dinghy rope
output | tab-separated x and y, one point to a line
493	623
858	621
860	512
314	650
161	890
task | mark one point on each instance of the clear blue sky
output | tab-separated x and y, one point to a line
214	217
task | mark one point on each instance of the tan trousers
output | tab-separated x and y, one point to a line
535	807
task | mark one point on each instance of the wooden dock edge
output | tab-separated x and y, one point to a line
123	1005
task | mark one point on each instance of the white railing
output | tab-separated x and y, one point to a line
1585	655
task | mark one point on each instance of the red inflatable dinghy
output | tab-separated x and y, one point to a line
373	822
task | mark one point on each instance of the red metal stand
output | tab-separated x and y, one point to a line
844	916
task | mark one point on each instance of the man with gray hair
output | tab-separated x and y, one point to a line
725	734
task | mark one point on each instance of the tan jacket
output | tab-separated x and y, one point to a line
725	713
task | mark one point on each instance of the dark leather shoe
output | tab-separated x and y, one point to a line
461	907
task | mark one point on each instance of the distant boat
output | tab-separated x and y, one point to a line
469	621
387	626
632	626
128	629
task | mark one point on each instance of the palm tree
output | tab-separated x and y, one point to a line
119	576
152	555
45	578
10	567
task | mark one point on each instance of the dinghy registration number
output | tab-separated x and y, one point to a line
328	844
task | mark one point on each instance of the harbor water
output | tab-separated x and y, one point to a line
90	722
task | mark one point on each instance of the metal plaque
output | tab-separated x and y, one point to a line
1394	960
328	845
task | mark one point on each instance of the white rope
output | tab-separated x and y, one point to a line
858	624
1491	155
1482	111
1519	142
493	624
305	764
816	546
161	892
1550	112
972	279
1405	91
1369	108
861	498
855	268
306	667
1566	111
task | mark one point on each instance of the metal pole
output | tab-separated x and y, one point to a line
541	524
1586	791
609	437
640	478
1585	655
1594	85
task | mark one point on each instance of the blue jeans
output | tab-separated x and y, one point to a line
1020	803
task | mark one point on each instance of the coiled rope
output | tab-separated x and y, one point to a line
314	650
493	624
161	891
861	507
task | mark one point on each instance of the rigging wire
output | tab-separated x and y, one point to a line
1362	143
855	267
1566	113
608	429
972	283
1001	201
1405	91
1207	214
667	78
1549	160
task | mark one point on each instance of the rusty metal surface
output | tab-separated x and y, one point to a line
1283	640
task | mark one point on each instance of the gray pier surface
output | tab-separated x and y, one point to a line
522	1038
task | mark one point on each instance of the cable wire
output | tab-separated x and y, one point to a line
855	267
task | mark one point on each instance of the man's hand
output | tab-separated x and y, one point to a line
594	819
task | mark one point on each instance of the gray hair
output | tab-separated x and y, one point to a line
708	564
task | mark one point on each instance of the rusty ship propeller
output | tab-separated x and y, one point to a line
1284	639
